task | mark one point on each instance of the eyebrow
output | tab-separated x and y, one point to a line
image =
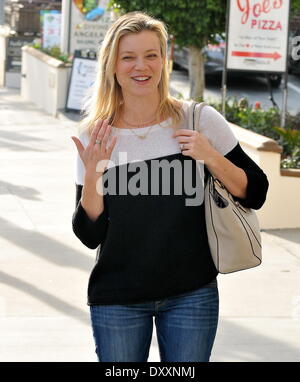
130	51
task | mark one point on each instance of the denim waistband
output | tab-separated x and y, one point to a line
211	284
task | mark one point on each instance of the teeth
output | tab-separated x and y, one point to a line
141	78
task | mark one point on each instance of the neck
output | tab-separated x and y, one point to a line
139	110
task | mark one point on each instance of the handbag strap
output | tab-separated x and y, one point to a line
194	114
194	120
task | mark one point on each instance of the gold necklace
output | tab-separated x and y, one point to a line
140	136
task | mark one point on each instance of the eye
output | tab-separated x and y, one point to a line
152	55
126	57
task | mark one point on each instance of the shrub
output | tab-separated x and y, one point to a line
53	51
267	123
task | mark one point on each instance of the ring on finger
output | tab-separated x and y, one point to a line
182	146
98	141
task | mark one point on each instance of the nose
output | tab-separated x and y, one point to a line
140	63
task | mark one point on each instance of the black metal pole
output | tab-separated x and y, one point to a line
70	27
285	76
224	73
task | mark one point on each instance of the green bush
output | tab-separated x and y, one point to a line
53	52
267	123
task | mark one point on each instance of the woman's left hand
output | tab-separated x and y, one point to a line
196	145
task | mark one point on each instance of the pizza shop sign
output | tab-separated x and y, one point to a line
257	35
254	12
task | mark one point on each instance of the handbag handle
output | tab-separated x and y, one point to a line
194	119
192	109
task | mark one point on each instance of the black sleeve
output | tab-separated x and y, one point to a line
78	193
90	233
257	180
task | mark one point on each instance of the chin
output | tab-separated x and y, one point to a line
140	92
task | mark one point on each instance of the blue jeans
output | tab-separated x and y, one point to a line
186	326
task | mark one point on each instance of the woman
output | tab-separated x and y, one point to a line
153	258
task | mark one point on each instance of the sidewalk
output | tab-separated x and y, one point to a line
45	269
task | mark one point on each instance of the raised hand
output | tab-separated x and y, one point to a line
95	156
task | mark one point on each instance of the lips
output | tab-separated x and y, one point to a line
141	79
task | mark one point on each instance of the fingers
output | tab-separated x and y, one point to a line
113	141
183	139
183	132
111	147
97	127
185	146
105	134
79	145
102	130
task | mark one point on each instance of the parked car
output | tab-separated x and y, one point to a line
214	59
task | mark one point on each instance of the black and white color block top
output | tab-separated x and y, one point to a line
150	243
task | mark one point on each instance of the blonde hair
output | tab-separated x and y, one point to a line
106	94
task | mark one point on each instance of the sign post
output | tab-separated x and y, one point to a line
65	26
2	13
257	38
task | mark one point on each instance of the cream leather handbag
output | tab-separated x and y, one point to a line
233	230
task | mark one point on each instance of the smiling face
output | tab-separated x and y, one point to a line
139	63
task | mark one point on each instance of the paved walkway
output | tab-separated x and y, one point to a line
45	269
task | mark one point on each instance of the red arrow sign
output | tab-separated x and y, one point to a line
274	55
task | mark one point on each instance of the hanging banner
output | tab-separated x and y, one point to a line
257	37
90	21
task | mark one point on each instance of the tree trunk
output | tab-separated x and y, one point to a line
196	73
